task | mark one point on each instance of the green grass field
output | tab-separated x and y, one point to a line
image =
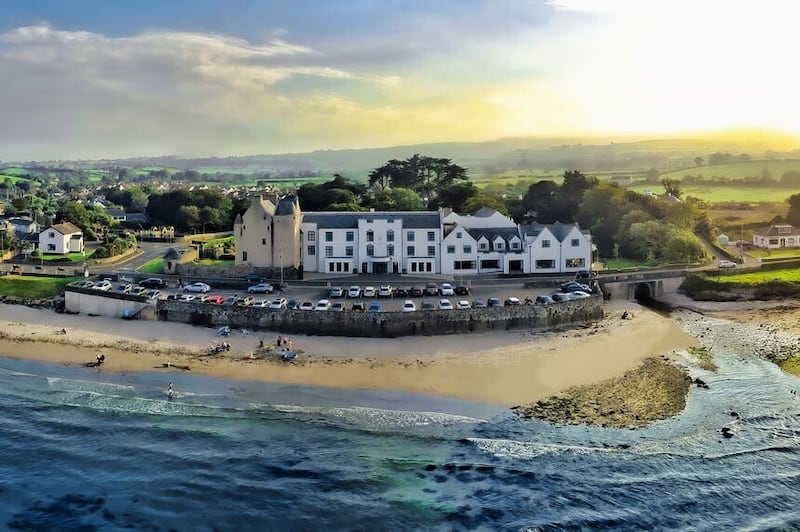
34	287
217	262
725	194
152	266
776	168
74	257
791	275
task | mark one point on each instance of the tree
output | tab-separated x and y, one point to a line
476	202
456	195
672	186
793	216
698	161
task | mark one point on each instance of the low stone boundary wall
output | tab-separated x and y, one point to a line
385	324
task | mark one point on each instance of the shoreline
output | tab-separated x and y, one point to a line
503	368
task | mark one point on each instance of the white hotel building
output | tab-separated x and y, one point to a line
485	242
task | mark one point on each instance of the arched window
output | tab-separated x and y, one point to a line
390	235
370	250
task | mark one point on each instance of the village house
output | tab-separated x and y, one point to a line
777	236
61	239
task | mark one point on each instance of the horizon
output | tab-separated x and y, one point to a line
224	79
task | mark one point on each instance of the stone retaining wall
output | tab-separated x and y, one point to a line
385	324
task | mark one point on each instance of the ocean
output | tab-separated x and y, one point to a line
82	449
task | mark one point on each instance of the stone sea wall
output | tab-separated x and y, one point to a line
386	324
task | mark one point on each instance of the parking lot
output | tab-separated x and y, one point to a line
423	294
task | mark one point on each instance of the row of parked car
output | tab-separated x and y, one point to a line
385	290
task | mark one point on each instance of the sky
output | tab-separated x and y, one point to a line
91	79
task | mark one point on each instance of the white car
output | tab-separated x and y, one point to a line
186	297
307	305
323	304
201	288
445	304
278	303
409	306
385	290
354	291
337	291
369	291
447	290
463	304
260	288
580	294
262	303
104	285
727	264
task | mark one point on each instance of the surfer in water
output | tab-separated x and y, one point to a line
170	391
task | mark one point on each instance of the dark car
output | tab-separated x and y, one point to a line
428	305
462	290
479	303
293	304
431	289
153	282
543	300
417	291
401	291
585	275
572	286
359	306
255	278
494	302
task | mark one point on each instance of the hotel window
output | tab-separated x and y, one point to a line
546	264
329	251
410	251
499	246
52	234
370	250
410	236
390	235
515	245
431	251
244	256
263	241
328	236
370	236
483	246
312	250
311	236
575	242
349	236
390	250
451	250
458	234
431	236
545	243
467	249
348	250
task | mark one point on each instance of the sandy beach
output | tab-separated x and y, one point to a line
505	368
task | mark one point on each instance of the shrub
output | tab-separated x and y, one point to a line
101	253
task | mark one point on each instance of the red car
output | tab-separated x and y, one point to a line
216	299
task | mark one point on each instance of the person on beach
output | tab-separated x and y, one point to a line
100	359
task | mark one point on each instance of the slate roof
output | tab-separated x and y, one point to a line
491	234
287	205
349	220
559	230
779	230
66	228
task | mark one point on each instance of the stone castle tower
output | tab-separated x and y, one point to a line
268	235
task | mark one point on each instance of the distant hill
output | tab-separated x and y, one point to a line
589	154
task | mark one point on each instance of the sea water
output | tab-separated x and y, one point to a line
82	449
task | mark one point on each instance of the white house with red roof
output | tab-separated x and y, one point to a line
777	236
